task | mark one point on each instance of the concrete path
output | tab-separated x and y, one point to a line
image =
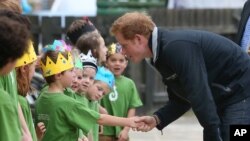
186	128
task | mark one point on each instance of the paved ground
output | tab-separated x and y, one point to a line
186	128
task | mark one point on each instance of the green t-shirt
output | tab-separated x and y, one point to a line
80	98
118	103
94	105
8	83
28	116
63	116
9	130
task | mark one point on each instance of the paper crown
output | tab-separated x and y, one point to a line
28	57
88	60
58	45
114	48
62	63
106	76
78	63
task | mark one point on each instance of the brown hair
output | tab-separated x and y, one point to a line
53	56
13	5
78	28
89	41
23	82
76	25
133	23
14	40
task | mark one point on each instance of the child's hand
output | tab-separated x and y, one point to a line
123	135
145	123
40	130
134	122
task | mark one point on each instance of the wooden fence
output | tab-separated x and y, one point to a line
222	21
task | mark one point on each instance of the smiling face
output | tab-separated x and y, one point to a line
117	63
78	80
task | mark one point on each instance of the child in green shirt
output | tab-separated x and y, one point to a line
96	91
25	69
12	47
89	86
124	99
64	116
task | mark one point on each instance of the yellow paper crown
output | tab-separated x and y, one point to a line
61	64
28	57
114	48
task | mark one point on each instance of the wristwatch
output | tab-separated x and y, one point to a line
158	121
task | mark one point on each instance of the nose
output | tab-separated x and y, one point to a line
74	80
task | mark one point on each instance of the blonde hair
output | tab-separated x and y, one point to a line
13	5
133	23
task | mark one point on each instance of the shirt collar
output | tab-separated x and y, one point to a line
154	43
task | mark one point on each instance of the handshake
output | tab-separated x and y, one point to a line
143	123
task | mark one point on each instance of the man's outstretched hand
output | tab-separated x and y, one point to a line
147	123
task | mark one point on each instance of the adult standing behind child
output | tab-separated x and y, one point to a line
124	99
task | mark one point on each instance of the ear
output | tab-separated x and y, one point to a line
58	76
137	37
126	63
95	53
141	39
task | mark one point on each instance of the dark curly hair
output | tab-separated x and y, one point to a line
14	38
16	17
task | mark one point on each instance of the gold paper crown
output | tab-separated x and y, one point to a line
61	64
28	57
114	48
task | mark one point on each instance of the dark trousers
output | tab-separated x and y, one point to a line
238	113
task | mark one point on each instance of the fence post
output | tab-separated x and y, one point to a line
51	29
